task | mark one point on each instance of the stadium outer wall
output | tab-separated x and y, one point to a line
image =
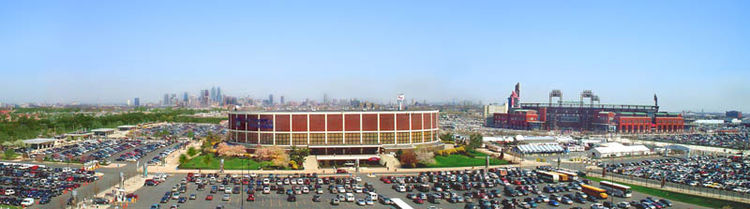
335	129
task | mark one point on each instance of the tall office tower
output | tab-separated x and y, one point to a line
270	99
137	102
218	94
185	98
165	101
212	96
173	99
204	97
325	98
281	100
126	104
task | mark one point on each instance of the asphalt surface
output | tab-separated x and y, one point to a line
152	195
149	195
110	177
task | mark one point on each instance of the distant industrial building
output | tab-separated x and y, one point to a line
41	143
583	116
734	114
490	110
103	131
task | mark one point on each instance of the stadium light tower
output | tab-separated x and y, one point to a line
586	94
555	93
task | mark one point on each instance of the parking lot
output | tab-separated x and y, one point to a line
719	138
717	172
150	195
505	196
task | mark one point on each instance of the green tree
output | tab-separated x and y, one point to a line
475	141
298	154
183	159
446	137
207	159
9	154
192	151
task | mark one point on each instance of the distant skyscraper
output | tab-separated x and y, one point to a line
173	99
270	99
128	103
218	94
325	98
281	100
204	97
165	101
137	102
212	96
185	97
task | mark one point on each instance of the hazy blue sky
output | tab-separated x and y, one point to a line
693	54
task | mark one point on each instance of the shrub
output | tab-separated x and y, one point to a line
192	151
409	159
183	159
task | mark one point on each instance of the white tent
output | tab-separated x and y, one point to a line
617	149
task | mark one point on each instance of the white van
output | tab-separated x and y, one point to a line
27	202
372	196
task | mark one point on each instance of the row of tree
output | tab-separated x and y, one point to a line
50	124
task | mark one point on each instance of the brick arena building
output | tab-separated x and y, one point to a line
336	132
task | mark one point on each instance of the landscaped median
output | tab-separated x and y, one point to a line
230	163
470	158
426	157
236	157
686	198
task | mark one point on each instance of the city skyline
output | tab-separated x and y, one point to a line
691	54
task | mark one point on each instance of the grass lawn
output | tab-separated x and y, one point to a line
459	160
231	163
686	198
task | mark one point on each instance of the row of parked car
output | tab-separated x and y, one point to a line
493	188
345	188
22	184
183	129
115	146
716	139
140	152
718	172
65	153
156	159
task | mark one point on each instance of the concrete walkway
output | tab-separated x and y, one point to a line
390	161
311	163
